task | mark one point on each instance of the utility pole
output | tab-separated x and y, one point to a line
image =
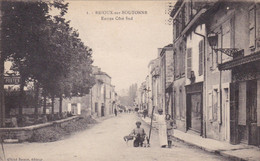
2	103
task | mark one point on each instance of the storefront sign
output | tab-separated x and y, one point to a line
11	80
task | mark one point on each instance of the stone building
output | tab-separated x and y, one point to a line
155	83
166	78
151	85
179	50
243	58
216	76
101	94
101	100
218	82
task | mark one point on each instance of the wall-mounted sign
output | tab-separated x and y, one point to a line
11	80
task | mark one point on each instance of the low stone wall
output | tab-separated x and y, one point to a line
25	133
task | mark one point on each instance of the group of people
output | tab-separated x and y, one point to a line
165	125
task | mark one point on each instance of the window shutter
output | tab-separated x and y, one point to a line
183	17
188	12
252	27
177	65
189	58
201	57
210	106
215	104
183	60
211	60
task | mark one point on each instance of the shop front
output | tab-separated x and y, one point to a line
194	112
244	99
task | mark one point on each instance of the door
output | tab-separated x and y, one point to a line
102	110
172	112
252	112
188	114
242	112
234	110
96	107
196	112
194	109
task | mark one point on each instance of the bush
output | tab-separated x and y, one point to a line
55	133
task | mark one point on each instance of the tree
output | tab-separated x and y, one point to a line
45	50
20	39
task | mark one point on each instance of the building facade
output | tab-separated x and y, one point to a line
166	78
216	76
243	62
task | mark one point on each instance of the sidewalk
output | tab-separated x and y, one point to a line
237	152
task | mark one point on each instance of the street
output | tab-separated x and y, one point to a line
104	142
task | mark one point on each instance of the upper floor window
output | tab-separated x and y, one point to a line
201	51
188	12
189	62
252	27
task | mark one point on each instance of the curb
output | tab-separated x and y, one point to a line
232	156
217	152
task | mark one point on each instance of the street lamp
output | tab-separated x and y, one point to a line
213	40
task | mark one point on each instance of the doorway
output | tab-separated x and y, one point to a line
102	110
194	113
252	112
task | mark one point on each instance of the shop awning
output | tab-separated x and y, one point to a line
254	57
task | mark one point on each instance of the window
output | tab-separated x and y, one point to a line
252	27
182	116
177	103
201	49
183	17
226	39
175	65
178	64
214	55
188	12
210	106
177	29
96	107
189	61
182	59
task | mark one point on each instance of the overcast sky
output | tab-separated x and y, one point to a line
122	48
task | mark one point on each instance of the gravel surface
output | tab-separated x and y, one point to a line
104	142
60	132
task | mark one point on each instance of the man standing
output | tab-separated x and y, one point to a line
115	110
139	134
145	113
162	129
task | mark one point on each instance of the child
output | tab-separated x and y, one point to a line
139	134
169	124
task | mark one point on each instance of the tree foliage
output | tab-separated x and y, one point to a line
128	100
45	48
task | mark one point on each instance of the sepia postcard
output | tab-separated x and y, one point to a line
148	80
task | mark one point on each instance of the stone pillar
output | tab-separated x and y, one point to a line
69	107
78	108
